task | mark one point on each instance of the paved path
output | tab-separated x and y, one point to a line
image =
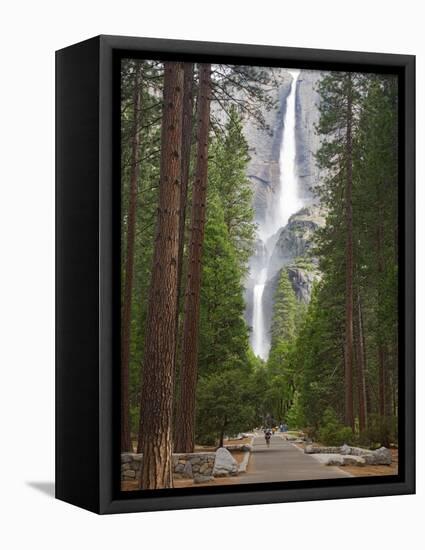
284	461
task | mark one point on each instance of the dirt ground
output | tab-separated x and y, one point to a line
366	471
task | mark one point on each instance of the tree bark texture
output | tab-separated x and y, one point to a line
126	445
185	432
382	377
361	368
185	169
155	438
349	409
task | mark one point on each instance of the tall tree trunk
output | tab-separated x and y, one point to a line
221	440
349	412
155	438
185	433
361	368
185	168
382	406
381	379
126	444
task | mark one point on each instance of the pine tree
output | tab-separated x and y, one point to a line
227	177
126	444
340	95
284	311
185	432
155	438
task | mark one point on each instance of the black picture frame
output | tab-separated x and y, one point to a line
87	252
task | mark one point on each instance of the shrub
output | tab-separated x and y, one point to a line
332	432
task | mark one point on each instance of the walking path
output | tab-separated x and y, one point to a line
284	461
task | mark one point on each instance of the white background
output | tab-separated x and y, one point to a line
30	32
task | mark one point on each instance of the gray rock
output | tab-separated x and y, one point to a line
353	460
204	467
224	463
329	459
195	460
129	474
335	460
381	456
311	449
187	471
126	457
179	468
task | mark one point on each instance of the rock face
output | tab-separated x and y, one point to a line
292	251
296	238
264	144
308	141
302	280
225	464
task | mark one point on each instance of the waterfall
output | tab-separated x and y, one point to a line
286	203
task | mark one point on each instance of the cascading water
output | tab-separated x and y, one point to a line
257	317
277	216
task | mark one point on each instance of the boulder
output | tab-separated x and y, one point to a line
329	459
353	460
380	456
311	449
225	464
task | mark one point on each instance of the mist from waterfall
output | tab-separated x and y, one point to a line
286	203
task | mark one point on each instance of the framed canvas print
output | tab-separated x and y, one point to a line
235	274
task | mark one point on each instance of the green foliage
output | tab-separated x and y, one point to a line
228	159
224	405
223	331
226	399
149	140
294	417
284	311
332	432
